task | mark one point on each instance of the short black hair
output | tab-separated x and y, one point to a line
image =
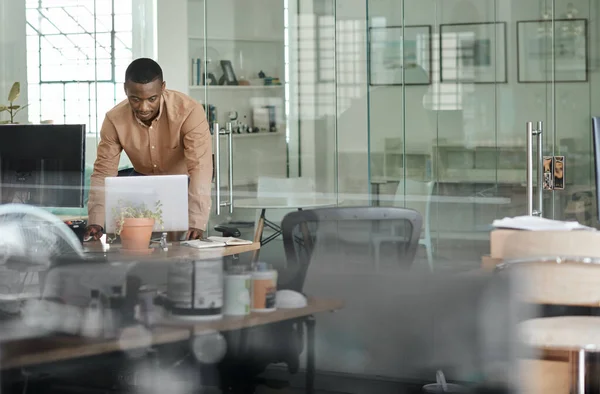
143	70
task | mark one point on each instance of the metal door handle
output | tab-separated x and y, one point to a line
531	132
230	143
217	167
217	134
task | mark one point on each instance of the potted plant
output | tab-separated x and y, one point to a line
134	224
11	108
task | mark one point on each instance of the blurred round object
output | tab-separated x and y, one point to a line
209	347
135	340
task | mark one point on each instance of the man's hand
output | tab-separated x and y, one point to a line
194	233
93	232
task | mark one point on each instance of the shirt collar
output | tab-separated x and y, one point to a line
160	112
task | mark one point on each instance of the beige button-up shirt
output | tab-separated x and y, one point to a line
177	142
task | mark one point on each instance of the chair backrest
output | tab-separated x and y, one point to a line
327	230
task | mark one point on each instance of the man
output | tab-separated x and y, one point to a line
163	132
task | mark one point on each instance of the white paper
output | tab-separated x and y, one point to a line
230	241
203	244
535	223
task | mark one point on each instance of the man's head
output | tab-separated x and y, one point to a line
143	86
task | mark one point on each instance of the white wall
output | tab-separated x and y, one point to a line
172	47
13	56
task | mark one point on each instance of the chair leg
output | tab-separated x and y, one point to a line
578	377
429	256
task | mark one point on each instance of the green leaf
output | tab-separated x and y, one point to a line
19	109
3	108
13	95
4	121
14	107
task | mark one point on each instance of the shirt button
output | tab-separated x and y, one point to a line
154	165
152	146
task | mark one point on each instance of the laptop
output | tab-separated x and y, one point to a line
170	190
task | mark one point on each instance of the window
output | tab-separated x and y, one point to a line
77	53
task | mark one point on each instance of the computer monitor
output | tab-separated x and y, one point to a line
170	190
42	165
596	143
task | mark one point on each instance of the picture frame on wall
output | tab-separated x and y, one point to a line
400	55
552	51
473	52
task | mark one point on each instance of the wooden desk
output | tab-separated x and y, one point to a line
30	352
176	251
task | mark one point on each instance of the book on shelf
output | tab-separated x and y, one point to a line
196	73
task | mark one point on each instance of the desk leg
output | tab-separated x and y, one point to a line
310	354
260	226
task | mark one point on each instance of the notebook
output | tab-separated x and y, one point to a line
215	242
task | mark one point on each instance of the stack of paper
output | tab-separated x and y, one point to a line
215	242
535	223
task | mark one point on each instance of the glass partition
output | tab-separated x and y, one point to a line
265	71
451	87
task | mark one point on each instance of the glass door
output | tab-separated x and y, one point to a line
452	86
255	66
576	101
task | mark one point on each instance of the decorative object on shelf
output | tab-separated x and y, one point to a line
272	118
11	108
400	55
212	80
134	224
261	74
473	52
271	81
260	118
552	50
228	77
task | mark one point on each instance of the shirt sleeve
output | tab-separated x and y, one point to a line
106	165
197	146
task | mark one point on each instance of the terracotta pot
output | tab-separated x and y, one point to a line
136	233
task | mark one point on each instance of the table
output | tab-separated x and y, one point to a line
377	182
36	351
263	204
176	251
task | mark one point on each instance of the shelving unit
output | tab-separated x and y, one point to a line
242	39
236	88
240	31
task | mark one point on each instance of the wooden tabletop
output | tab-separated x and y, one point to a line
176	251
29	352
230	323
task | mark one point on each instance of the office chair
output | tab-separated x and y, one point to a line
328	230
305	233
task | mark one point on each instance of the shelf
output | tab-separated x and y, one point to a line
236	87
256	135
244	39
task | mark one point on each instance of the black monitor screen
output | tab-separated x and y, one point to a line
42	165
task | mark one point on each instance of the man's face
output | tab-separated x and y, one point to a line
144	98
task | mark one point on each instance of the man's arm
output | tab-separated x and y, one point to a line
197	145
107	164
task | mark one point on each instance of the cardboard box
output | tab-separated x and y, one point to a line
544	376
497	242
488	263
